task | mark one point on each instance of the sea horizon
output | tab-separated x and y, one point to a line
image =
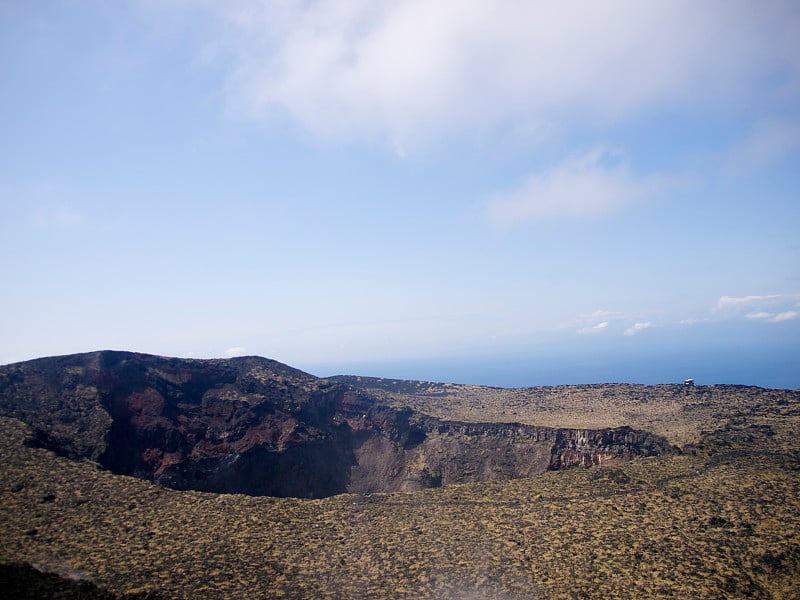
776	369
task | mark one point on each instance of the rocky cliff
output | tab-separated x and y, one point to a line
255	426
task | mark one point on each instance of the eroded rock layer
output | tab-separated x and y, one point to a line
254	426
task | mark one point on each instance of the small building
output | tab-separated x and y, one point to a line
688	382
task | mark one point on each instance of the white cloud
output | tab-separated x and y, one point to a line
587	321
584	186
601	314
235	351
771	308
785	316
408	70
773	317
760	315
600	327
734	303
637	327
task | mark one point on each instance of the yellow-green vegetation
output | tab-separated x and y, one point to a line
722	520
678	412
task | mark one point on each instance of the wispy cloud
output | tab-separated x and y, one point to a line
235	351
769	308
637	327
740	302
600	327
408	70
601	314
773	317
591	319
584	186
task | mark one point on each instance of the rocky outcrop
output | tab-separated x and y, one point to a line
588	448
254	426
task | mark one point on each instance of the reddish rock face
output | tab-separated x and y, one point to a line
255	426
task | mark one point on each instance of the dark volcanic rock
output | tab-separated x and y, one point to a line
255	426
24	582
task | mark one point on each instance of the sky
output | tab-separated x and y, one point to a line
484	191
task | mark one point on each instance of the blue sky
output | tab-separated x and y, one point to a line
406	188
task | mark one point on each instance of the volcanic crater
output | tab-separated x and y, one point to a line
254	426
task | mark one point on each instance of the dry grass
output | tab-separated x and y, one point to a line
677	412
